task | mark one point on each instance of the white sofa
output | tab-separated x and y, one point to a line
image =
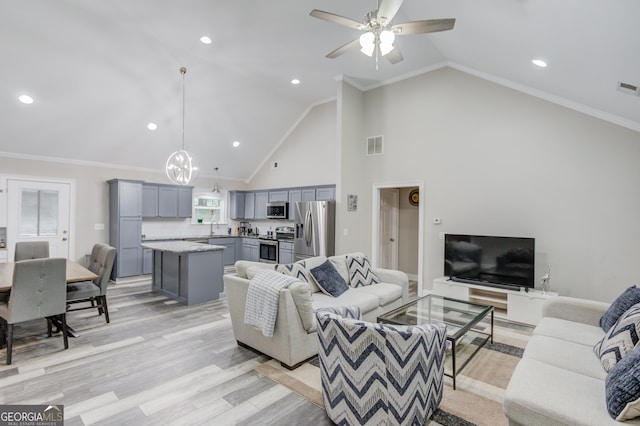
295	337
560	380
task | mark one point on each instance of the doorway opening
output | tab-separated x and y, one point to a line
397	229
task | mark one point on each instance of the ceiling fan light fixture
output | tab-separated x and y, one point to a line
367	43
387	38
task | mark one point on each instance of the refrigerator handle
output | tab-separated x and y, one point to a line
307	228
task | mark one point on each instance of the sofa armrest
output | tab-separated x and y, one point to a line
573	309
391	276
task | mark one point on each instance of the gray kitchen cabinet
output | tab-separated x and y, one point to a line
125	226
262	198
149	200
167	201
229	244
236	207
147	261
275	196
250	247
285	252
309	194
325	193
249	205
295	195
185	202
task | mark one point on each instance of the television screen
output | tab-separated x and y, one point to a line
506	262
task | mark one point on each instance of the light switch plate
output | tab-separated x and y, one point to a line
98	226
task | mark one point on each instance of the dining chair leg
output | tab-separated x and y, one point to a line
104	307
9	342
65	333
3	333
49	326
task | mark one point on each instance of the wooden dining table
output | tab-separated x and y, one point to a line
75	273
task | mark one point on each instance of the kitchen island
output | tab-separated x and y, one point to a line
185	271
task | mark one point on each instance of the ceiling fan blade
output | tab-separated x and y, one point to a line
344	48
387	9
336	19
426	26
394	56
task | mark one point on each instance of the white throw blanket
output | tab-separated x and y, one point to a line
262	299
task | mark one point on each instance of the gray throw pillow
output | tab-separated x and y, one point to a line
620	339
329	279
622	387
627	299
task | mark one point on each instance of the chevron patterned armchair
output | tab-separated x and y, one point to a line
378	373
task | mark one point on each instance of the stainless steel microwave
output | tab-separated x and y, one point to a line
278	210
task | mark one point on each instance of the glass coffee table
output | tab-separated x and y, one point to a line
460	318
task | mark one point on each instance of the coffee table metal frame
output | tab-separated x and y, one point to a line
434	309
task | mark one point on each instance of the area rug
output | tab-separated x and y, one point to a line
480	385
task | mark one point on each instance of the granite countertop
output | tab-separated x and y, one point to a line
181	246
195	237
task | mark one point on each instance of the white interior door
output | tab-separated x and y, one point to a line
388	248
38	211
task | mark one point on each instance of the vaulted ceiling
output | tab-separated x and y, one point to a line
100	71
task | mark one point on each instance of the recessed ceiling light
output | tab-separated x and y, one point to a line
25	99
236	144
206	40
539	62
152	126
295	81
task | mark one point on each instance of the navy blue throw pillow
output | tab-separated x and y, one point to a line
627	299
329	279
622	387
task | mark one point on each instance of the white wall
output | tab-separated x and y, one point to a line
499	162
92	193
307	156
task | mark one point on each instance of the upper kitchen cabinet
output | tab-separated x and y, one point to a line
309	194
325	193
295	195
250	205
262	198
275	196
149	200
166	201
236	209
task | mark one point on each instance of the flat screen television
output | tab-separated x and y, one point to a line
504	262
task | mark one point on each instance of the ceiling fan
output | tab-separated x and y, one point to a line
378	33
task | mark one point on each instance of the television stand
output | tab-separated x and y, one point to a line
513	304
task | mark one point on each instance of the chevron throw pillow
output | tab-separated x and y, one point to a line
622	388
620	339
297	270
360	273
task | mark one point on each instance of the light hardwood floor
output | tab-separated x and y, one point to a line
156	363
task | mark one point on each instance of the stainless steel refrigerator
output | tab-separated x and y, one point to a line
315	229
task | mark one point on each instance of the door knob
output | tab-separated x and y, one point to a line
391	239
64	239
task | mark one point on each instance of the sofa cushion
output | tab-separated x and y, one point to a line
386	293
329	280
243	265
570	356
340	263
366	302
360	273
298	270
568	330
620	339
544	394
301	294
622	388
627	299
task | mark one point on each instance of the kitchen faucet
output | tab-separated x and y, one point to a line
211	227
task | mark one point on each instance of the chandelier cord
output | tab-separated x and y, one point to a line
183	71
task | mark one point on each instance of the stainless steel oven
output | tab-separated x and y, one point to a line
268	251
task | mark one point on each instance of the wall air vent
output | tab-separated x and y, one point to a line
628	88
375	145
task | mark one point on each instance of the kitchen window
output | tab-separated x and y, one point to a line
209	208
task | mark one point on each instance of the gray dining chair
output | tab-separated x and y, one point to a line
38	291
31	250
94	292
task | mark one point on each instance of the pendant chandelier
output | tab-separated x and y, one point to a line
181	167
